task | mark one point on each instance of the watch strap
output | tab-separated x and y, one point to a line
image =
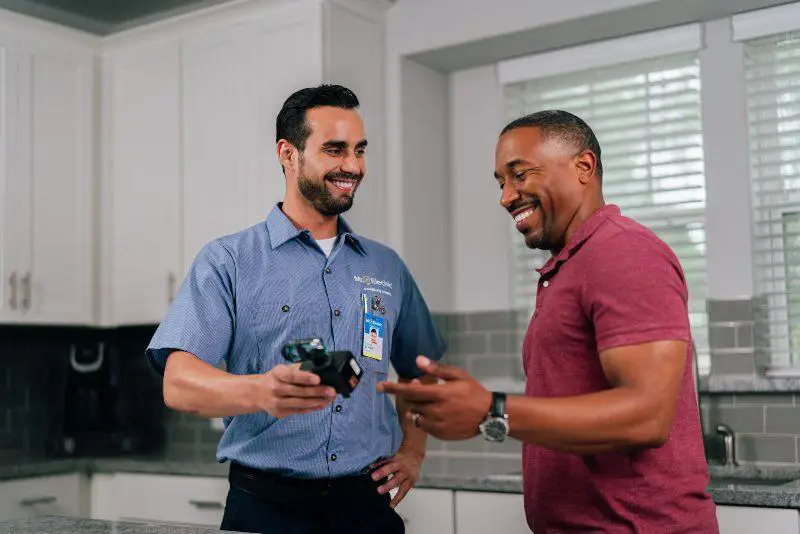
498	404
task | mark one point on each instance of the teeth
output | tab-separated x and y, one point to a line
343	185
523	215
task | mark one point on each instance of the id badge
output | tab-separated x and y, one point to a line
373	336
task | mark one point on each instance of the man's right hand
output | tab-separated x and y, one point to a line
288	391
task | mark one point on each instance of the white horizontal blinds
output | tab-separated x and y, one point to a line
772	69
646	116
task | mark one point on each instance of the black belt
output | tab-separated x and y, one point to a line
269	485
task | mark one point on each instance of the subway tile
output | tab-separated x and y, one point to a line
723	311
181	452
717	399
466	467
492	321
502	342
434	466
782	420
177	434
209	435
468	343
206	453
509	446
433	444
777	449
744	336
732	363
458	323
747	419
467	445
722	337
499	466
441	320
490	366
777	399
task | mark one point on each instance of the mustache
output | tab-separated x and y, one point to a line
343	176
532	201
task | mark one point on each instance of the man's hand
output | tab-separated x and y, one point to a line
404	469
449	410
288	391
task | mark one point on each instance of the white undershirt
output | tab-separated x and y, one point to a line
326	245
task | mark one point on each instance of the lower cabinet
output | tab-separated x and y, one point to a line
426	511
749	519
62	495
480	512
183	500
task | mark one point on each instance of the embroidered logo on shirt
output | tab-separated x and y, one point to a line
370	280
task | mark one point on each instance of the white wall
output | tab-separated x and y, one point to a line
425	197
481	237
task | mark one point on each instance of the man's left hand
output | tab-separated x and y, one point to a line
451	409
404	469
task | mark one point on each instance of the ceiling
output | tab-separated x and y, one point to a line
103	17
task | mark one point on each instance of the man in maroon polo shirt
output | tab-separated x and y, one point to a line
609	420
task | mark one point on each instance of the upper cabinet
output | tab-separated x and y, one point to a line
47	181
192	150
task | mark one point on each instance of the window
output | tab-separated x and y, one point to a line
646	115
772	68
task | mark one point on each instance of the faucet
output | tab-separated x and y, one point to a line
729	441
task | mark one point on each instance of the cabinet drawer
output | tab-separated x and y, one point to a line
170	499
40	496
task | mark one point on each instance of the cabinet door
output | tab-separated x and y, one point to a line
15	185
170	499
746	519
478	513
59	286
63	495
215	139
145	205
428	510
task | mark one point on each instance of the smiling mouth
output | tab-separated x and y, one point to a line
524	214
344	185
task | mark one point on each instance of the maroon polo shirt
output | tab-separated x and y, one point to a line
614	284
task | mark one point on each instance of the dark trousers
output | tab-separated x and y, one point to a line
271	504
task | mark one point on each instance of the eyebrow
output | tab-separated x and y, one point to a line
341	145
510	165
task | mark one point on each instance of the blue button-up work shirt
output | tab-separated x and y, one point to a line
248	294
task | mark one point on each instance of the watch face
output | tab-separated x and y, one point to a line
495	429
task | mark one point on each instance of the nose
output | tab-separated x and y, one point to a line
351	165
509	195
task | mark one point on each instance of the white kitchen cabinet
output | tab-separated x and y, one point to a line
428	510
48	170
63	495
164	498
479	513
748	519
143	188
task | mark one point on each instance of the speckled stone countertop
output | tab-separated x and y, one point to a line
745	486
67	525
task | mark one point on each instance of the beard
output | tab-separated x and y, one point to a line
318	194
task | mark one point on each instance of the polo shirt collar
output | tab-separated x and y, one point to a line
282	230
589	227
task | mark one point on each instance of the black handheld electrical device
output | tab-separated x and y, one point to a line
338	369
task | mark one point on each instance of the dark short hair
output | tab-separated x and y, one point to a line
373	331
563	125
291	123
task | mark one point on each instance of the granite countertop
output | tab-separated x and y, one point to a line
68	525
744	486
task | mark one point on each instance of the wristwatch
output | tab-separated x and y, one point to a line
495	427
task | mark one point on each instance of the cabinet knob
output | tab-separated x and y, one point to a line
13	282
206	505
35	501
26	292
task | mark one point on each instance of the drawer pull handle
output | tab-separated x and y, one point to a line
33	501
206	505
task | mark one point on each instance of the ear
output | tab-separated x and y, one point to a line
288	155
586	165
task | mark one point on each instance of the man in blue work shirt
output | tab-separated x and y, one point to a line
303	459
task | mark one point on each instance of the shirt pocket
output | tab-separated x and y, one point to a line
277	322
